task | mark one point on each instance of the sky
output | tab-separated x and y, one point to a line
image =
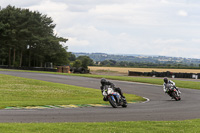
146	27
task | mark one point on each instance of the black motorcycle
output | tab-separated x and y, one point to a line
172	92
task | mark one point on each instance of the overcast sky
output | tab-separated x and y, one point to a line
148	27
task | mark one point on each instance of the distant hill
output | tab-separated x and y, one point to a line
139	58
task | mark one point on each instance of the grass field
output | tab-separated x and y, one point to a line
22	92
187	126
126	69
179	83
16	91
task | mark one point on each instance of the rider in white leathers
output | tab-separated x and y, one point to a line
166	81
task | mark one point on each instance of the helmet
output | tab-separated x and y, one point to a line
103	81
165	80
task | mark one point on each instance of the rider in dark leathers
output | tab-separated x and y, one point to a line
104	82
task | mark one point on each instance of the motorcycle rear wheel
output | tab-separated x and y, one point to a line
124	105
175	96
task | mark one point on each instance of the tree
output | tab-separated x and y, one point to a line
72	57
86	61
3	33
28	39
77	64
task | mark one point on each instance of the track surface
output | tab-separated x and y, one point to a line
159	108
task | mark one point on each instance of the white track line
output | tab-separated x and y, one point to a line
147	100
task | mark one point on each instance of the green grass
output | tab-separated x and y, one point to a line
187	126
16	91
34	92
156	81
179	83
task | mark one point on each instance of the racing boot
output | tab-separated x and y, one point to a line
105	99
179	92
124	99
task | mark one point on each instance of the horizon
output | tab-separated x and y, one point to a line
133	55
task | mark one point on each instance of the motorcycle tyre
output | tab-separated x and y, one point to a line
112	103
174	95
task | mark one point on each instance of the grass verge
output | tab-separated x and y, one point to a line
25	92
179	83
16	91
189	126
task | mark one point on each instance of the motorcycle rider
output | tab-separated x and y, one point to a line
104	82
166	82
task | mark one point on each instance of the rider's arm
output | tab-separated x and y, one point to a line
171	82
109	83
101	88
164	88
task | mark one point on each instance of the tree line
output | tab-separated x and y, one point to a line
80	61
27	39
146	64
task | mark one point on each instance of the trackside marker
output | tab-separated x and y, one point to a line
69	106
147	100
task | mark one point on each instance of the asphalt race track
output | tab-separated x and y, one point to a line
159	108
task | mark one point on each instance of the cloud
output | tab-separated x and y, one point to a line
164	1
196	41
48	6
177	47
134	13
76	42
182	13
19	3
169	41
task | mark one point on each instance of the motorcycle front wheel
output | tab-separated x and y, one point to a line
112	101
